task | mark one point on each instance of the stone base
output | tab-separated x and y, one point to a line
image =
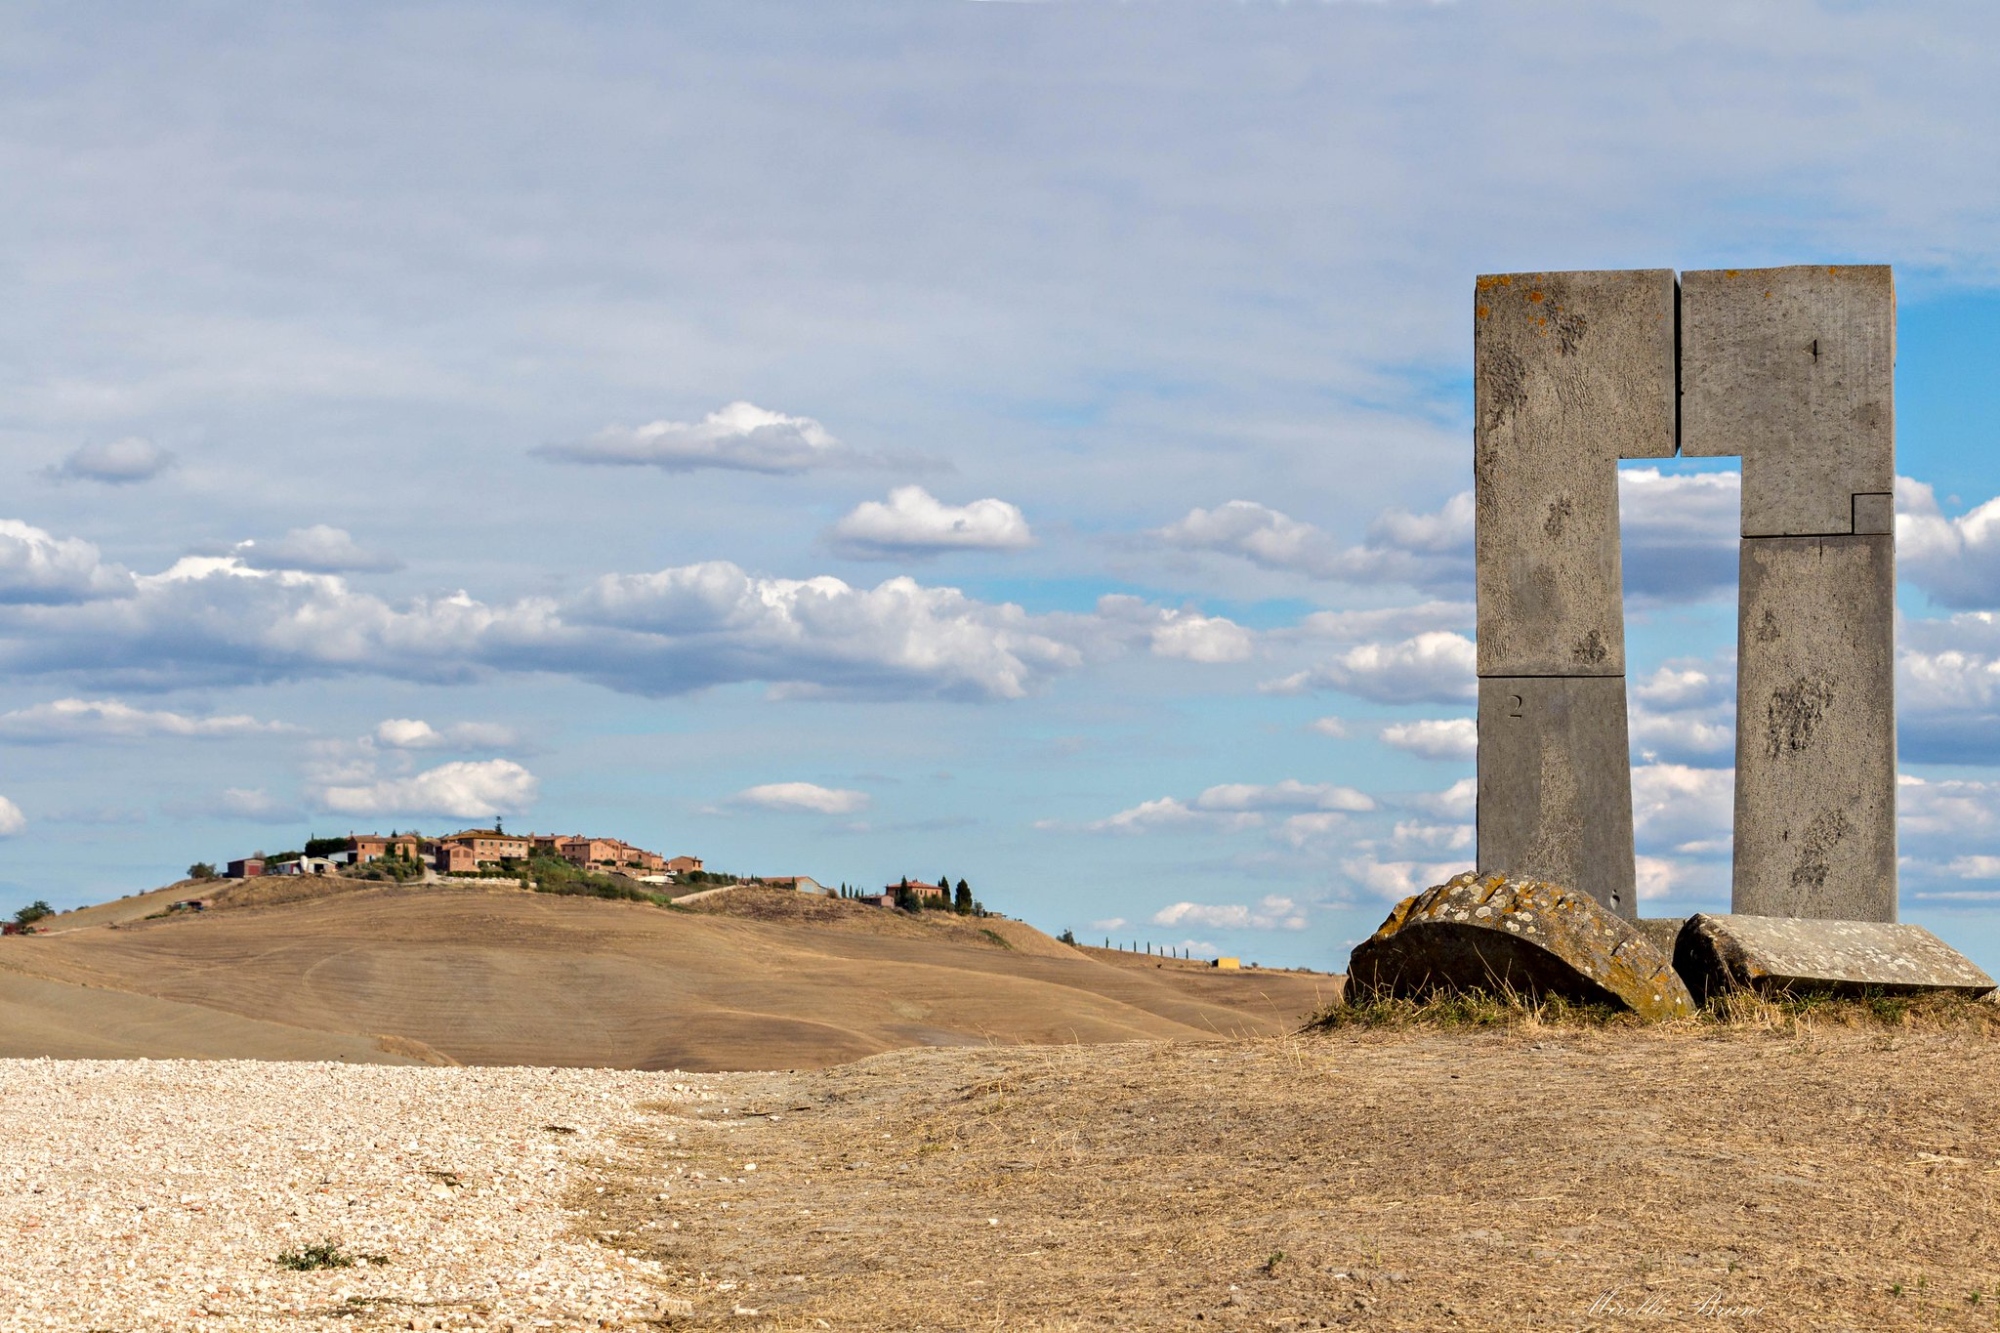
1779	955
1496	934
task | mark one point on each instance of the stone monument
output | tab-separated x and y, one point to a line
1790	368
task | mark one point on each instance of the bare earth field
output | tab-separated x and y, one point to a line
753	979
1530	1178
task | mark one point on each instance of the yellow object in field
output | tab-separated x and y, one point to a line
1231	963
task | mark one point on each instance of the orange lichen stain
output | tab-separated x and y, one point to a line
1767	296
1832	270
1729	272
1540	322
1506	280
1536	297
1483	312
1485	280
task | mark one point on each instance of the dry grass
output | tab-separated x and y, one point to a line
1814	1169
1740	1011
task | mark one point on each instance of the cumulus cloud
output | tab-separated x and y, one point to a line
409	733
257	805
119	463
1679	532
1434	667
1425	550
1387	621
88	719
478	789
1685	712
741	437
1454	738
39	569
318	549
808	797
913	522
1681	809
1954	560
1272	912
1186	633
1235	805
1395	880
217	619
1458	801
12	821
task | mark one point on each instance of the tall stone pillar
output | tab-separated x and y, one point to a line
1572	372
1793	369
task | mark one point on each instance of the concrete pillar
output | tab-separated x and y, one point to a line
1793	369
1572	372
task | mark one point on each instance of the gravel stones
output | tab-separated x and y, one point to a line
157	1194
1778	954
1495	933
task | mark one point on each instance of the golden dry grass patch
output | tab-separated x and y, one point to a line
1799	1174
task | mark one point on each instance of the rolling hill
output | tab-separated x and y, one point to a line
753	979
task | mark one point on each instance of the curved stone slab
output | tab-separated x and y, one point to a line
1493	933
1774	954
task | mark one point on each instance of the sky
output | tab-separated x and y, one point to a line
1021	442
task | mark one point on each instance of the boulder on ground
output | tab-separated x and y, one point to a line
1778	954
1497	934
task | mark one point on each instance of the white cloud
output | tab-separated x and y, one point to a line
1193	637
1272	912
1427	550
1334	727
39	569
914	522
118	463
215	619
12	821
79	719
409	733
1685	712
1955	560
1396	880
256	804
1433	667
318	549
1458	801
740	437
1679	533
804	796
1313	807
1185	633
1455	738
479	789
1378	622
1683	809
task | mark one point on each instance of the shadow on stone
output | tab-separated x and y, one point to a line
1501	935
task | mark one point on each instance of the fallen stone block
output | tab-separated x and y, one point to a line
1663	931
1777	955
1496	934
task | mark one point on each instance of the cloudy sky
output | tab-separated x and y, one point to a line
1028	442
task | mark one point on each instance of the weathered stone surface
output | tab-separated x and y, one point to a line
1777	954
1571	372
1794	370
1496	933
1663	931
1816	729
1555	784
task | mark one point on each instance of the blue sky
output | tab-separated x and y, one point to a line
1017	441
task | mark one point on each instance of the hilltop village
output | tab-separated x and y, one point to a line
553	862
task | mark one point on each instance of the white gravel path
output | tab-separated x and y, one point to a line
156	1195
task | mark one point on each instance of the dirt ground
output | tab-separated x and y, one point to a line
1823	1178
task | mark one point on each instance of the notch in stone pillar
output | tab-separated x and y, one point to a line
1794	370
1572	372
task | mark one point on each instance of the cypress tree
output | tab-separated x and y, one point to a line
963	903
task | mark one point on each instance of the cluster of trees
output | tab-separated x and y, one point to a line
33	912
908	899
